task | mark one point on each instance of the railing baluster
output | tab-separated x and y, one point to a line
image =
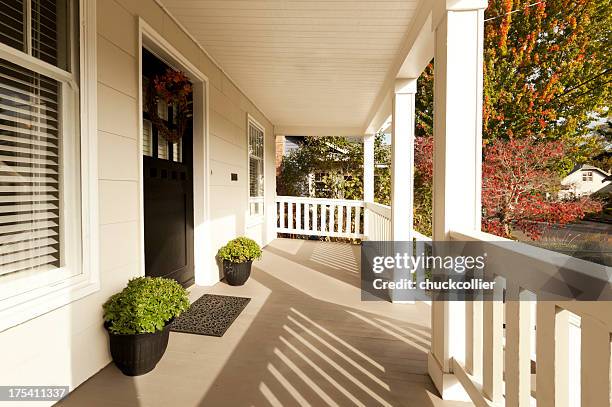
340	219
545	348
493	320
473	337
517	355
332	213
357	220
595	361
323	218
281	220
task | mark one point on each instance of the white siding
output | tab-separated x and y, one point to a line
68	345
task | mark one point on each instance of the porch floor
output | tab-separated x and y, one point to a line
304	339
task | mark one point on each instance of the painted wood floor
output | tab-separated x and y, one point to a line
305	339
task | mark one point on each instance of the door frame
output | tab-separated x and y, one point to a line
204	271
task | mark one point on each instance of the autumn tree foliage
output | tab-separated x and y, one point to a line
546	81
519	189
547	72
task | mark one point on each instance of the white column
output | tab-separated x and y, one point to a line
368	168
368	179
458	56
402	170
402	159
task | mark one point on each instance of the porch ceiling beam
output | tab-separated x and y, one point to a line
314	131
416	52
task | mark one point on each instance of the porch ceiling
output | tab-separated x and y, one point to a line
305	63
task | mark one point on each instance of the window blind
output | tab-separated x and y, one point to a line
49	31
30	134
12	24
29	170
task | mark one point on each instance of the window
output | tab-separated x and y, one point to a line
154	144
256	169
41	223
587	176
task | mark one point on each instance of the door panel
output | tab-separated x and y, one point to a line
168	220
168	194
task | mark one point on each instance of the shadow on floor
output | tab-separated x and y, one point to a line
306	338
310	352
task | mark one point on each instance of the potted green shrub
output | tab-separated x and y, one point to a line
138	322
237	256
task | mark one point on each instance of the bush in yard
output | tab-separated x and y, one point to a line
240	250
145	305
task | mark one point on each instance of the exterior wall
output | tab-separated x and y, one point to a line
69	344
578	187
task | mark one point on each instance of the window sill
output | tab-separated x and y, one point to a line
47	299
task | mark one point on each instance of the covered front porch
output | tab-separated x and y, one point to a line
262	69
304	339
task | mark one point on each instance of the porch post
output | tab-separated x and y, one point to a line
402	159
402	170
368	179
368	168
458	56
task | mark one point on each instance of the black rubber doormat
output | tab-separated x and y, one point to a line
210	315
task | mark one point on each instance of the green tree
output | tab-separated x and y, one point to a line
339	163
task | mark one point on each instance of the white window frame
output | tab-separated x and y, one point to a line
254	220
80	235
587	176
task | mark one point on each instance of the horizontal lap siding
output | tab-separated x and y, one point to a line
75	345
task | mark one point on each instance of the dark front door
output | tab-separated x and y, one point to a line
168	190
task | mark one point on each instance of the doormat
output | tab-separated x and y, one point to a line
210	315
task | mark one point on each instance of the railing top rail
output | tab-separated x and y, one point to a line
539	270
380	209
420	236
283	198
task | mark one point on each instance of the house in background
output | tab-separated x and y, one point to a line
584	180
284	146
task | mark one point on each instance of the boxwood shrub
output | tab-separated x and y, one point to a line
240	250
145	305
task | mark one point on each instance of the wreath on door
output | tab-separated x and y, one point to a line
174	88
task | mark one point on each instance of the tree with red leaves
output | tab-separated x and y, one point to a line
519	188
520	191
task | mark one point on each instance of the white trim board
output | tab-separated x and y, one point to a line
206	272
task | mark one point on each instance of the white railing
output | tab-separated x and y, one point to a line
567	342
378	221
319	217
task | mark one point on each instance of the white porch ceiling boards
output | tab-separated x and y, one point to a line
305	63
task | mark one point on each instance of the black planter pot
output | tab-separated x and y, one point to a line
138	354
237	273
